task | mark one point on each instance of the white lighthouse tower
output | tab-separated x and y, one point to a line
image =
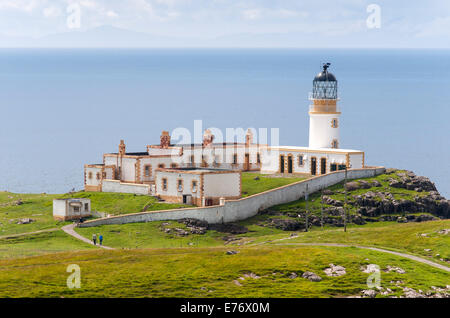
323	112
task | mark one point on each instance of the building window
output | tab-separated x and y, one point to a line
334	143
104	174
164	184
148	170
301	162
341	167
194	186
192	159
76	209
258	158
98	176
334	123
86	207
173	165
235	159
180	185
161	165
90	175
333	167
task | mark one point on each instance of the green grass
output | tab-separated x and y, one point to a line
39	207
38	244
207	272
124	203
151	234
404	237
251	186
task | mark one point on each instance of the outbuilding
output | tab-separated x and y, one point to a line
71	209
198	186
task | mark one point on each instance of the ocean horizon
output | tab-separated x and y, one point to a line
63	108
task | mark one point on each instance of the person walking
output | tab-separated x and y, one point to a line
100	239
94	238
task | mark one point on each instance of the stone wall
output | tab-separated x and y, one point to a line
122	187
241	209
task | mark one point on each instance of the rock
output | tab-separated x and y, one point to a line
411	293
181	232
335	270
351	186
251	275
394	269
364	184
371	268
444	231
427	249
376	183
228	228
311	276
330	201
25	221
327	192
237	283
287	224
293	275
402	220
369	293
232	252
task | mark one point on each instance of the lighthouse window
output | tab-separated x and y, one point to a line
164	184
147	170
334	143
300	160
334	123
235	159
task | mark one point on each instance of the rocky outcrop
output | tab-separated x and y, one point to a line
311	277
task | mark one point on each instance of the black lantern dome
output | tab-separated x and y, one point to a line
325	84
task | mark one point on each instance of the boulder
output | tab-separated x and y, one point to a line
351	186
335	270
311	276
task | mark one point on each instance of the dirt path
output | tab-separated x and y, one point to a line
69	229
409	256
28	233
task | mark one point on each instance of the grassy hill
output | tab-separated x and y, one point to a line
172	259
209	272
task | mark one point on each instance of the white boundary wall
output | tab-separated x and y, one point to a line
237	210
122	187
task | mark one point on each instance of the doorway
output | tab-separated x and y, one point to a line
313	166
247	162
323	165
281	164
289	164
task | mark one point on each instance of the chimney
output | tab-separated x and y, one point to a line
249	137
208	138
122	148
165	139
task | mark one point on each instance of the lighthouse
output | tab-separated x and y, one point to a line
323	112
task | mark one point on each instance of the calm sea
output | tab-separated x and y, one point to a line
61	109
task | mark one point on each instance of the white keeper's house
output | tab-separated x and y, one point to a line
202	174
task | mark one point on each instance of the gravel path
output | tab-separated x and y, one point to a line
69	229
409	256
28	233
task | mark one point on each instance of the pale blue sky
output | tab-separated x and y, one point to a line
270	23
